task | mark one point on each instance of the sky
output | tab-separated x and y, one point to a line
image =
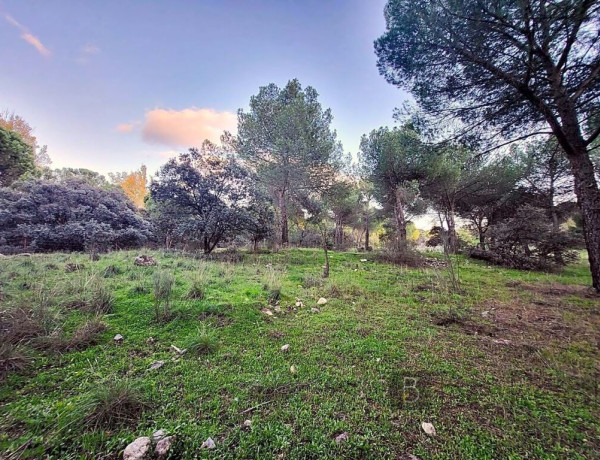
110	85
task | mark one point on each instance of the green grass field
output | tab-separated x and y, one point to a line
506	367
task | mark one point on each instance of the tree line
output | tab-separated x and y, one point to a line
503	140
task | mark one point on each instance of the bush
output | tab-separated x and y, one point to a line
528	242
404	254
74	215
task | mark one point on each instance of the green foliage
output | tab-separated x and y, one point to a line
298	154
16	157
379	325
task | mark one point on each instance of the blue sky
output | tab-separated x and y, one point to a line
109	85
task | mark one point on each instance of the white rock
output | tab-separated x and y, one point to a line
315	310
178	350
341	438
156	365
208	444
163	446
428	428
158	435
277	309
247	424
322	301
293	369
363	260
118	338
485	313
267	312
138	449
299	304
286	347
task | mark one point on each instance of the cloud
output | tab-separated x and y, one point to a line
28	37
187	127
125	127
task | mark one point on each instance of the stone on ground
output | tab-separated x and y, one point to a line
138	449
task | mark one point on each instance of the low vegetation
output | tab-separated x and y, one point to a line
504	367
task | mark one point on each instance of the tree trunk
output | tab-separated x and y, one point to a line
339	233
326	267
553	212
452	238
367	231
206	245
284	219
400	216
588	198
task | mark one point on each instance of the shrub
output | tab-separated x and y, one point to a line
527	241
404	254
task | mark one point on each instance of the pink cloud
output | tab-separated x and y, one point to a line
187	127
28	37
125	127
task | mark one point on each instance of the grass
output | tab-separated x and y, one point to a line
505	367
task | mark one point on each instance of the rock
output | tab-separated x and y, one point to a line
299	304
158	435
247	425
408	457
286	347
363	260
156	365
322	301
267	312
118	338
138	449
144	261
178	350
428	428
485	313
277	309
150	341
341	438
208	444
293	369
315	310
163	446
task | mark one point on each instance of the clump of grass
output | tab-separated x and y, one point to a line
163	290
101	299
112	270
273	284
114	404
86	335
203	343
139	289
12	359
310	281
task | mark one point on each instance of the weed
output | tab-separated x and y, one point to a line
114	404
13	358
203	343
163	290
